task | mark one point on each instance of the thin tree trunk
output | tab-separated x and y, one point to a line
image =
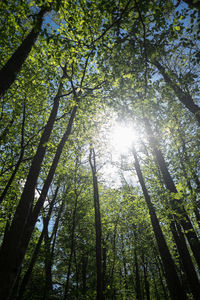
124	261
13	66
47	264
104	267
137	277
72	247
173	281
111	277
146	282
92	160
84	261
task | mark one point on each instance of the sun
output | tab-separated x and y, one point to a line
122	137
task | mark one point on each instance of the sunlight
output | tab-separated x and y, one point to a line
122	138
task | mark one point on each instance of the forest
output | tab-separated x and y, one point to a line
99	150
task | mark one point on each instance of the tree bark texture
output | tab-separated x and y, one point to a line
92	161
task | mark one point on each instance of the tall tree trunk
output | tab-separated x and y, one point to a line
84	262
34	215
185	98
27	275
11	69
146	282
11	252
124	262
137	277
111	277
72	247
185	259
92	160
159	266
172	278
178	208
104	267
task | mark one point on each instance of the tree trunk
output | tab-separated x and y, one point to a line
183	218
184	97
92	161
12	253
27	275
13	66
146	282
34	216
185	259
104	267
72	247
84	261
173	281
137	278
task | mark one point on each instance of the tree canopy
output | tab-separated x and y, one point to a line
99	143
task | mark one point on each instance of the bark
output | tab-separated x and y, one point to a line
184	98
137	278
27	275
47	246
13	66
104	267
146	282
161	281
172	278
184	162
12	252
111	277
92	161
185	259
72	247
124	261
84	261
33	217
178	207
192	191
35	213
